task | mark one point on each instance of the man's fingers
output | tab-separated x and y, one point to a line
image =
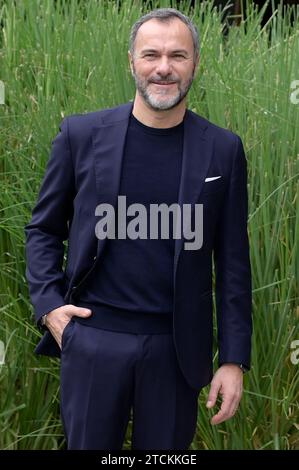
228	409
235	401
78	311
213	394
234	406
223	413
220	417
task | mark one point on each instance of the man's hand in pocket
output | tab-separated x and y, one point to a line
57	319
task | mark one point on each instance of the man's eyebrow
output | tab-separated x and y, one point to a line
148	50
176	51
180	51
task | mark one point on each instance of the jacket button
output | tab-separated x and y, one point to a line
75	287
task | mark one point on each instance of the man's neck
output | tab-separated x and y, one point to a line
159	119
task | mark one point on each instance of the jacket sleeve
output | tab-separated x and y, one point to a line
232	268
48	228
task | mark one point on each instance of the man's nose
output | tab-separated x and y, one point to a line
164	66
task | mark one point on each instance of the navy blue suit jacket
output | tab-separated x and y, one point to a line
84	170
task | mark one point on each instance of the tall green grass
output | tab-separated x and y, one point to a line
63	57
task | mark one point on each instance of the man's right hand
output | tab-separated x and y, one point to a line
57	319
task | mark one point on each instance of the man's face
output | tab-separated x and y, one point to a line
163	63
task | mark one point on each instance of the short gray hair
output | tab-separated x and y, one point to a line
165	14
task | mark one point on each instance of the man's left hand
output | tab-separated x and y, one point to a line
228	382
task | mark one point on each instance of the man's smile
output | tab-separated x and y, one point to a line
163	83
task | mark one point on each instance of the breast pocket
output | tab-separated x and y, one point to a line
213	186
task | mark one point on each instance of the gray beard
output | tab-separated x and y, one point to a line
155	103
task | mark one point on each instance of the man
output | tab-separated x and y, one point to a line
131	317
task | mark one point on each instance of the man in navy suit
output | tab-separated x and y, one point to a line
131	317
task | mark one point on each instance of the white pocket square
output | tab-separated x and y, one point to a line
212	178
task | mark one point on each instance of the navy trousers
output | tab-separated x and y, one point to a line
106	375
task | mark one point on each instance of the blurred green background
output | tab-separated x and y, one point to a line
63	57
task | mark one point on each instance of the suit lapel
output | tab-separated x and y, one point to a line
197	153
108	143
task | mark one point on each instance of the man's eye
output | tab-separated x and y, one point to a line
150	55
180	56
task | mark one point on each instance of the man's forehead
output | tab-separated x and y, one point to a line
154	32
